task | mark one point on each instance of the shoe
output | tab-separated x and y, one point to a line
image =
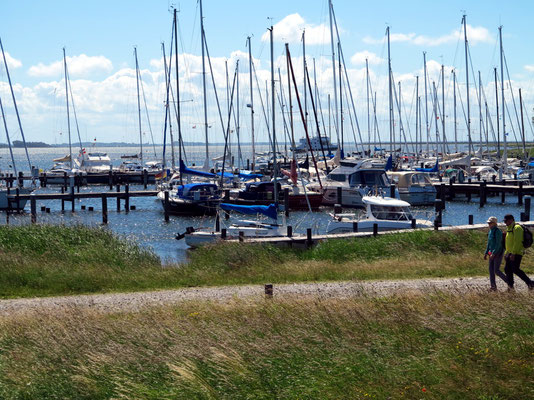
492	289
510	289
531	287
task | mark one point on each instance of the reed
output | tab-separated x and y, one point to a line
435	346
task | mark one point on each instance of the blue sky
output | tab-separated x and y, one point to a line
99	37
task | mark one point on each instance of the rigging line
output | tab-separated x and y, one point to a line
528	118
459	95
227	132
74	109
261	101
511	89
147	115
347	77
401	125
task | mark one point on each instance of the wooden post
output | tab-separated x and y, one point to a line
527	208
354	227
436	224
482	194
248	164
470	219
392	191
145	178
223	233
33	207
77	179
217	223
104	209
468	193
289	231
43	184
286	202
226	195
17	200
503	196
127	198
118	198
73	203
110	180
414	223
375	229
166	206
269	290
241	236
520	194
339	195
65	180
309	238
21	179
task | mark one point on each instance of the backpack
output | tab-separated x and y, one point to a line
527	237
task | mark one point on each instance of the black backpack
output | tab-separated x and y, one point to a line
527	237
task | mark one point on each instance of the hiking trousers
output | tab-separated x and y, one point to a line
514	267
494	269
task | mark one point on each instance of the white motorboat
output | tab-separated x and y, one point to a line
246	228
414	187
12	204
387	213
357	178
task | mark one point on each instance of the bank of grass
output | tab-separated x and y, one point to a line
436	346
45	260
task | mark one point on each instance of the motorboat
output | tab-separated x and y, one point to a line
318	143
356	178
246	228
387	213
192	199
8	201
414	187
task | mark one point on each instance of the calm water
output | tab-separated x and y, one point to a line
146	224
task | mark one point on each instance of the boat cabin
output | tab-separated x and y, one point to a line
197	191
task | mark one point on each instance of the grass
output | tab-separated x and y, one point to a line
45	260
437	346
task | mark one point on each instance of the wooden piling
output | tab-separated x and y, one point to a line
127	198
286	202
414	223
166	206
104	209
33	207
269	290
241	236
73	203
217	223
309	238
503	196
520	194
145	178
289	231
223	233
339	195
110	180
118	198
391	191
355	227
527	207
470	219
375	229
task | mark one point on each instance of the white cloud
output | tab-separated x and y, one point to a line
359	58
475	35
529	68
78	66
289	30
12	63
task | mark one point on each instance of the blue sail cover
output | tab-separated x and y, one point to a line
188	171
269	211
435	168
389	163
249	175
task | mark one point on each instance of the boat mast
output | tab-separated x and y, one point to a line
275	166
505	152
178	116
237	129
341	101
391	133
443	107
426	105
8	139
417	133
251	104
138	105
481	118
203	43
497	114
68	113
455	122
304	78
522	125
15	105
336	116
368	110
467	87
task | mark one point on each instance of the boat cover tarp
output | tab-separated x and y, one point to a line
389	163
184	170
269	211
435	168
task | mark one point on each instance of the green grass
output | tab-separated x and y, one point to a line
45	260
436	346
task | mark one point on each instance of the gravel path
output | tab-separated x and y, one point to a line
134	301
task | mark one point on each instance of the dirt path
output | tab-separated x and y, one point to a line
137	300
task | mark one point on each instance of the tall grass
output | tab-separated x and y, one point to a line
437	346
59	260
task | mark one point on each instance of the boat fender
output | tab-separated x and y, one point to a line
180	236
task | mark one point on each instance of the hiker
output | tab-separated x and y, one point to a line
495	251
514	252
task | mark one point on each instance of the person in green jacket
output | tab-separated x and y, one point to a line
514	252
495	251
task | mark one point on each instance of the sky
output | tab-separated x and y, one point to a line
99	39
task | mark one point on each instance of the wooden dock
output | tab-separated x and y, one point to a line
308	240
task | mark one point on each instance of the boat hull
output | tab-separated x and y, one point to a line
368	226
6	204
